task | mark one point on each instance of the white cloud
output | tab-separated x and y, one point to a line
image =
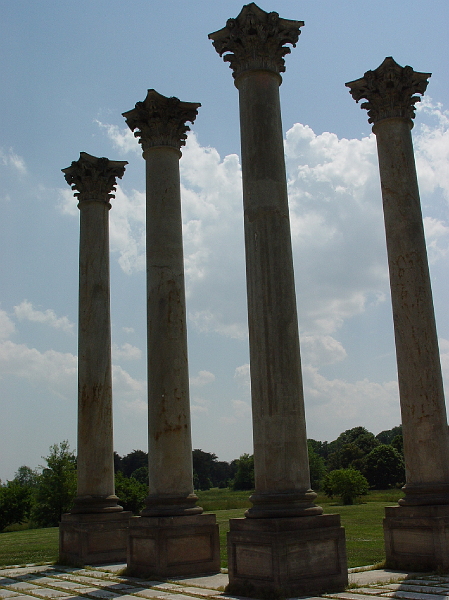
126	352
240	411
25	311
321	350
56	370
431	142
9	158
337	405
242	376
7	327
123	139
203	378
437	238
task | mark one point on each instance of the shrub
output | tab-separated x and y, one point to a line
346	483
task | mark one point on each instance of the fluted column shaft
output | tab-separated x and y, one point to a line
423	409
95	179
280	440
254	43
391	107
160	123
170	446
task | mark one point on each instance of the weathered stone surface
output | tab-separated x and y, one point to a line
173	546
282	482
95	179
255	40
417	536
93	538
286	556
389	91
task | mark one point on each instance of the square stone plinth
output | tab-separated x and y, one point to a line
93	539
417	537
286	557
173	546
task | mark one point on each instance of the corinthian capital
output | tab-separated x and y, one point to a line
94	178
389	90
161	121
255	40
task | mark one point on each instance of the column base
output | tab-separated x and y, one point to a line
93	539
417	537
286	557
173	546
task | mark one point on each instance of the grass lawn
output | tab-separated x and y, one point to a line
362	523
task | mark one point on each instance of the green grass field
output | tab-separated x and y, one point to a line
362	523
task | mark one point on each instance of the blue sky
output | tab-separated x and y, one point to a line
68	71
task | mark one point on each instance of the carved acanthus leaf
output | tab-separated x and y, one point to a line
94	178
389	90
161	121
255	40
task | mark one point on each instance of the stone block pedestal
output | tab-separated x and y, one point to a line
417	537
93	539
173	546
286	556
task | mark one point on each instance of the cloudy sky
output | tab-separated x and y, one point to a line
68	71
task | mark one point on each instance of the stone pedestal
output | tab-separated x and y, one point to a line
171	537
417	537
286	557
93	539
173	546
414	532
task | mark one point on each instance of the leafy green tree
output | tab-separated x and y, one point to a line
141	474
133	461
398	443
384	467
317	467
349	484
15	503
56	486
244	477
26	476
387	436
131	492
203	465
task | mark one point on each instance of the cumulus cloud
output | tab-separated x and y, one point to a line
203	378
122	138
26	311
126	352
9	158
336	405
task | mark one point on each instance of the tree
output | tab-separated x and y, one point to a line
387	436
56	486
133	461
384	467
131	492
141	474
203	463
244	477
346	483
317	467
26	476
15	503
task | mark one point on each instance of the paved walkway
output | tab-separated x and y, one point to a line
106	583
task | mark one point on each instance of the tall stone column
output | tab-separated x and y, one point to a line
282	501
171	512
414	531
96	522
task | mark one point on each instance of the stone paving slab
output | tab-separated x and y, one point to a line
412	595
8	593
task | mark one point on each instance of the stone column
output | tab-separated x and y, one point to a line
414	531
96	517
160	125
254	47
